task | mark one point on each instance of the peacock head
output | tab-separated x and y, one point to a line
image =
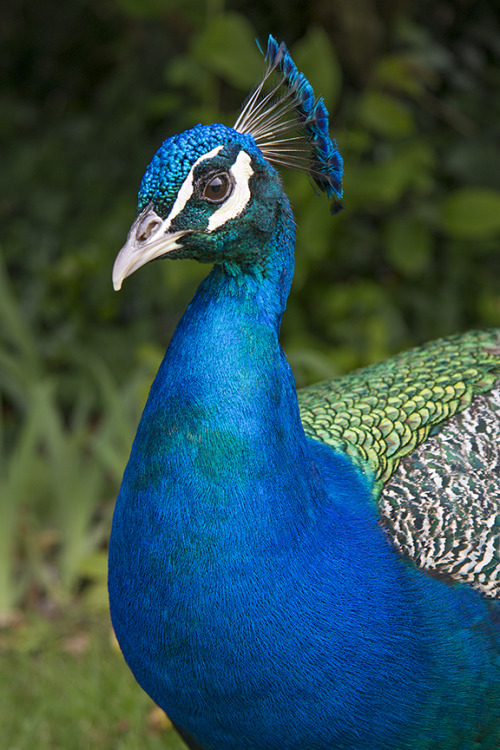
212	192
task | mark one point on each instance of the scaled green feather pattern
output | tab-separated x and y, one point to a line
379	414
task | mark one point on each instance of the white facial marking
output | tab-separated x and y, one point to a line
241	171
186	189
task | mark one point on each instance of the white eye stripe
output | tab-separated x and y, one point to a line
187	188
234	205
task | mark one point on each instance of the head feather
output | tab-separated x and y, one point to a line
289	125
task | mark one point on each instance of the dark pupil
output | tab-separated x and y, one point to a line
217	187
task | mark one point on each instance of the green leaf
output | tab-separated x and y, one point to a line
471	213
408	245
407	167
399	73
315	57
385	115
227	47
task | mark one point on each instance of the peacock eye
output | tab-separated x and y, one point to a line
218	188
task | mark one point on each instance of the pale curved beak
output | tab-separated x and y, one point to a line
147	239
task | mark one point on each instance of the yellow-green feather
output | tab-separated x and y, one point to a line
379	414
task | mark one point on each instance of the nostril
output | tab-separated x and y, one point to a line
146	228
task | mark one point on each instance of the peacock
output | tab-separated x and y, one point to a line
300	571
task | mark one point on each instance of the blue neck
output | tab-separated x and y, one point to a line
222	420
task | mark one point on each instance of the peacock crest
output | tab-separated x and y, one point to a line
290	125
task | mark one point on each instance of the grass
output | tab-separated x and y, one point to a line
61	462
64	686
63	682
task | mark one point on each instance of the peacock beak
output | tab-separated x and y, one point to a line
147	240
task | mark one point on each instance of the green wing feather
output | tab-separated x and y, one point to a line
379	414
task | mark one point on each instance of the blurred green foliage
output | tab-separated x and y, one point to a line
66	687
89	90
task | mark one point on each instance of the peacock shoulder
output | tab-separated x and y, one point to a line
425	427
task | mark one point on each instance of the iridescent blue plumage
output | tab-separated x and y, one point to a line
172	162
253	590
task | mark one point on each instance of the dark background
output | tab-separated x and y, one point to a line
89	89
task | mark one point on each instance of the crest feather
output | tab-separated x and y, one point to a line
289	125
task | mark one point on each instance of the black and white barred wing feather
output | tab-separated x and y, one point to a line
442	505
